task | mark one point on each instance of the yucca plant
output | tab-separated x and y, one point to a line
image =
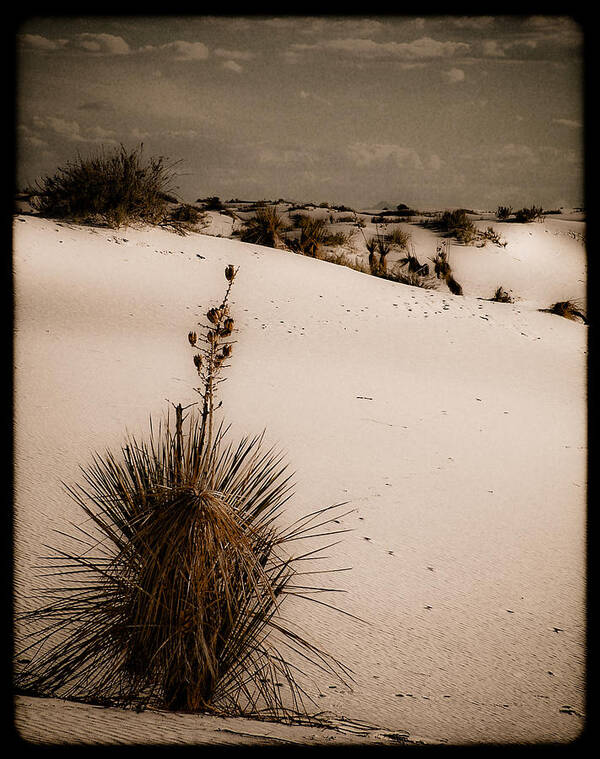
441	262
453	285
266	227
172	593
501	296
569	309
413	264
313	235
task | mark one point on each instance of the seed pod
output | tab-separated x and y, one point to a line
227	328
213	316
198	361
212	337
229	273
227	351
192	337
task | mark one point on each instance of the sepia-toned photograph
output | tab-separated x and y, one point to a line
300	381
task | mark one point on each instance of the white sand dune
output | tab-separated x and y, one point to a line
454	427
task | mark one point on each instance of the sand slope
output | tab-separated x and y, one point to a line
454	427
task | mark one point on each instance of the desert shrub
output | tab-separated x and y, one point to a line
398	237
503	212
441	263
457	224
491	235
118	188
413	264
175	584
414	279
344	219
501	296
313	234
526	215
569	309
186	216
212	203
266	227
453	285
336	239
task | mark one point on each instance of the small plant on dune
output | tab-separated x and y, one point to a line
414	279
185	217
441	262
212	203
266	227
399	238
172	595
569	309
526	215
442	268
503	212
457	224
117	188
501	296
412	263
313	235
453	285
491	235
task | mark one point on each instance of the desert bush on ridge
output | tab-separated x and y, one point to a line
526	215
569	309
457	224
266	227
118	188
176	581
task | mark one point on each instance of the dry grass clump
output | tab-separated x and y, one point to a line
313	235
266	227
490	235
172	593
442	268
457	224
503	212
569	309
501	296
526	215
116	188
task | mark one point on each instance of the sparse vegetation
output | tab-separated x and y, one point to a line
441	261
458	225
569	309
526	215
503	212
313	234
491	235
501	296
453	285
266	227
116	188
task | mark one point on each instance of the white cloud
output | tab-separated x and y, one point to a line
240	55
454	75
43	44
104	44
233	66
182	50
569	123
423	48
522	153
369	154
72	131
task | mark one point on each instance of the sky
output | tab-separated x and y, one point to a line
430	111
